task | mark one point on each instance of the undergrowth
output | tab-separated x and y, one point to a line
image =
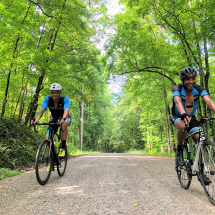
156	153
18	144
5	172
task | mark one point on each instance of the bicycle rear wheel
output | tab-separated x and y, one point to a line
43	163
184	173
61	168
208	170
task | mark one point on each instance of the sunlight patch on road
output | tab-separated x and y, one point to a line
69	190
130	164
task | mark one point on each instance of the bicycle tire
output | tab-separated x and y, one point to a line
61	168
43	159
184	173
209	154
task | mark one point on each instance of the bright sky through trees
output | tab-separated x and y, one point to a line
113	9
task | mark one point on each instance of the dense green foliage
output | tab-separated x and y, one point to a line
154	40
49	41
18	144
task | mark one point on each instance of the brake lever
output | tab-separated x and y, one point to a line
34	126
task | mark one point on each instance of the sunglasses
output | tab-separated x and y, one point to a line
54	93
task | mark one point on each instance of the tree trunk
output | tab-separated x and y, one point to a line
11	65
33	105
82	125
167	117
207	88
79	127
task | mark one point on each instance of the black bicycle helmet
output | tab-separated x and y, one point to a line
188	72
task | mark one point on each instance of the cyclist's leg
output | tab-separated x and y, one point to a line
64	136
193	126
180	125
65	133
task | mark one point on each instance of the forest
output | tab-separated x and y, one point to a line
146	45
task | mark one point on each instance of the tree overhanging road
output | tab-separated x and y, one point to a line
106	184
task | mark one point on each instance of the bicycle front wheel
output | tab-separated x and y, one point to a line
207	174
43	163
184	172
61	168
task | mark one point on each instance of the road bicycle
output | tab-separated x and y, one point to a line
199	162
47	155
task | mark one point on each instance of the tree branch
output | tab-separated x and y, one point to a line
178	32
149	69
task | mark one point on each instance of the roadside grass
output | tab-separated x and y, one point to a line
156	153
5	173
72	150
79	152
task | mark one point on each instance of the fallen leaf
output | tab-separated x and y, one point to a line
135	205
145	166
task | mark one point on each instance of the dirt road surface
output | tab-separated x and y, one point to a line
105	184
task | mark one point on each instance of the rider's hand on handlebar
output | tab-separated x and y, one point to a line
62	121
34	122
186	117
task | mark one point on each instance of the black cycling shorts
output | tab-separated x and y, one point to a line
193	125
57	126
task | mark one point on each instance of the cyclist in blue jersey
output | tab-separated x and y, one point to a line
59	107
185	100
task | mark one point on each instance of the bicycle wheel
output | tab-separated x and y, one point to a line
207	174
43	163
61	168
184	173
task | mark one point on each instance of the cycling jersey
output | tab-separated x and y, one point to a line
62	105
179	90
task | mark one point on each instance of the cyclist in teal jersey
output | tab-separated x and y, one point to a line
185	100
59	107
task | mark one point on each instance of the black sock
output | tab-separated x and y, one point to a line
179	148
63	144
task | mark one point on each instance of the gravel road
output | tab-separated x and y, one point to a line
105	184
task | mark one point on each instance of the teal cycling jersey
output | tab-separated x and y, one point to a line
179	90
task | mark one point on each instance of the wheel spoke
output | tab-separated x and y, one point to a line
207	174
183	172
63	163
43	163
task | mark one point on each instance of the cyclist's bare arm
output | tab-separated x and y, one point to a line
65	115
180	108
209	102
40	113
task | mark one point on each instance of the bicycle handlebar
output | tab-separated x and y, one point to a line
204	119
50	123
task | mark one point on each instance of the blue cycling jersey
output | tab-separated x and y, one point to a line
59	111
179	90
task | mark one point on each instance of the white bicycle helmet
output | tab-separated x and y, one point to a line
55	86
